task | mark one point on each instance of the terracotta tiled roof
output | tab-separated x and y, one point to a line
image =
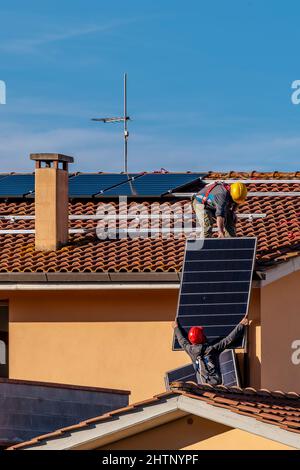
277	408
255	175
278	234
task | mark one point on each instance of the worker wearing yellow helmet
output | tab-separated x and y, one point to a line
220	202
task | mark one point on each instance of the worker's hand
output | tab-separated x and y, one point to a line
221	235
174	324
244	321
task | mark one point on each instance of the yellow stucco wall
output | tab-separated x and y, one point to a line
280	319
254	340
119	339
194	433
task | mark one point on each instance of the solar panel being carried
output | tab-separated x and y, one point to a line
215	285
228	366
181	374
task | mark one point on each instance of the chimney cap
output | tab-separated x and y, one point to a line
46	157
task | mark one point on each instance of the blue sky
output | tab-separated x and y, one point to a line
209	83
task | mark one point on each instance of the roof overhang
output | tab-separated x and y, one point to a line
281	270
88	281
35	281
162	411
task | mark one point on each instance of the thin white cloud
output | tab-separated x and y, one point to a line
32	44
101	150
41	106
91	147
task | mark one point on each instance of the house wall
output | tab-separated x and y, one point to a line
117	339
194	433
254	341
280	338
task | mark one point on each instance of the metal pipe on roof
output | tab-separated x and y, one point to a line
250	181
113	231
127	216
274	193
250	194
87	286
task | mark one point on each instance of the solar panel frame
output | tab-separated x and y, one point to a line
214	308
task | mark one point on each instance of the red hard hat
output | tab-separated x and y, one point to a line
196	335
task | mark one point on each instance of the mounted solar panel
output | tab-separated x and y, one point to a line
16	185
215	285
228	366
156	184
87	185
133	184
126	188
4	175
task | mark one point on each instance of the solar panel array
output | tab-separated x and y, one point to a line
215	285
16	185
104	184
187	373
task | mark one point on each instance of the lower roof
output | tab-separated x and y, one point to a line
35	383
272	415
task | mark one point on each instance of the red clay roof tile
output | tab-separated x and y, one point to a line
278	234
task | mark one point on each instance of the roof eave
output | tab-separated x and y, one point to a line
106	280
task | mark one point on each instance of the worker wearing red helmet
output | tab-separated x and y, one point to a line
219	201
204	354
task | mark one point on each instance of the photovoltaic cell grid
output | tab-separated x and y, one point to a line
106	184
156	184
182	374
215	285
133	184
86	185
228	366
16	185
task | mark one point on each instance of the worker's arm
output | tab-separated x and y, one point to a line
220	225
221	202
230	339
184	342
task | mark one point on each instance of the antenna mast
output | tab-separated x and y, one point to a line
124	119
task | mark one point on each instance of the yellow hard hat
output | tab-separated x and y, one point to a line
238	192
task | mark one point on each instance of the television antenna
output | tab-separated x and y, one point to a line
124	119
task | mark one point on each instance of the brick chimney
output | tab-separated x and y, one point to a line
51	200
